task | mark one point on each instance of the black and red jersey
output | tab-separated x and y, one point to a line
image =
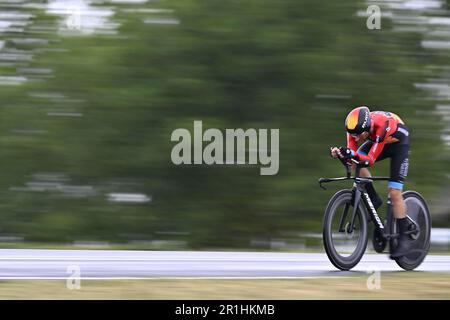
384	125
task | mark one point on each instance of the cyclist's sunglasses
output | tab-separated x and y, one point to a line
354	135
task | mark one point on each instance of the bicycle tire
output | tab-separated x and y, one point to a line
340	262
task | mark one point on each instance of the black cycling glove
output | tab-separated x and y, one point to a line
346	152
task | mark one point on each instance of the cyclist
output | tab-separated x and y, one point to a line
382	135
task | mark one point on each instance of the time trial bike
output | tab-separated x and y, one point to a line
349	211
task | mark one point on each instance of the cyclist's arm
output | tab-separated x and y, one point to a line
373	153
351	143
380	140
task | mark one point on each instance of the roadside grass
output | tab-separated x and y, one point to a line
393	285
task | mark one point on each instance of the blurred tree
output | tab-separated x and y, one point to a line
299	66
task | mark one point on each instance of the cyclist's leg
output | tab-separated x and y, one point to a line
399	170
398	204
365	173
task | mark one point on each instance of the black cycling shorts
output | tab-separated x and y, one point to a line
398	152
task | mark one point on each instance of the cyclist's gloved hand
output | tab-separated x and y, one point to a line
334	152
346	152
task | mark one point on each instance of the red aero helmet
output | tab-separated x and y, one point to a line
358	120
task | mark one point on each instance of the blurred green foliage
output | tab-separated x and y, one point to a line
299	66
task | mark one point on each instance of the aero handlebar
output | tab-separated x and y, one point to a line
348	164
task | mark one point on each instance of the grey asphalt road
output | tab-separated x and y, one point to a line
107	264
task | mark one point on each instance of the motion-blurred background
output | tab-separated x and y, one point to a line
90	92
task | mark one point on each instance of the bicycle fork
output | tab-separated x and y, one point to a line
358	194
350	227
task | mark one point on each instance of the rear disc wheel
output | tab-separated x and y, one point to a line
420	224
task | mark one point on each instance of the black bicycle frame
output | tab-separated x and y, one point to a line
360	193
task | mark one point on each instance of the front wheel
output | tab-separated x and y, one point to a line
418	213
344	246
